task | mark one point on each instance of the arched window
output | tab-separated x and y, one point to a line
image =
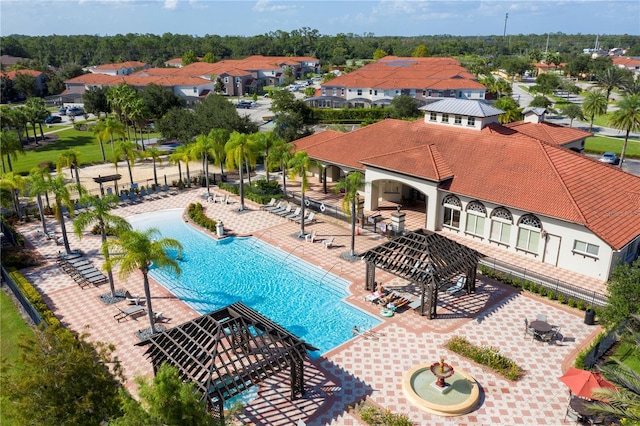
452	209
501	222
476	215
529	229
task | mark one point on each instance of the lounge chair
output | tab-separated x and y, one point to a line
310	219
276	207
460	283
311	237
328	243
285	211
158	317
415	304
123	314
293	215
168	190
124	200
133	300
298	218
160	193
282	208
375	296
269	204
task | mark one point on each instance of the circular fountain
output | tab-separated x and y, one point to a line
454	397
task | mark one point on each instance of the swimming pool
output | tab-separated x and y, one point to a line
299	296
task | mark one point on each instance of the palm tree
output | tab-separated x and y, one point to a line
512	111
98	214
299	165
572	111
351	185
59	188
610	79
220	138
127	151
183	153
156	156
14	183
203	148
281	153
37	110
265	142
627	118
176	158
113	127
98	131
10	146
38	178
139	250
69	158
595	103
239	150
632	86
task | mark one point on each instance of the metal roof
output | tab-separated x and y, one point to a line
467	107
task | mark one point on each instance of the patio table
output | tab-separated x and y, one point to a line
540	326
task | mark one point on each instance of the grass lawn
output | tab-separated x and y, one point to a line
82	141
629	354
600	144
12	327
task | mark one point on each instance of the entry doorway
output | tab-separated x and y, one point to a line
552	249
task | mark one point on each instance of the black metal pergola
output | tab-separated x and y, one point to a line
101	180
424	258
228	351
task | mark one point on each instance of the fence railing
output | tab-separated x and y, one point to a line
28	307
559	287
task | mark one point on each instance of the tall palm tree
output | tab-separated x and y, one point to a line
14	183
203	148
38	112
176	158
239	149
351	185
512	111
139	250
595	103
127	151
265	142
58	187
220	138
299	165
98	214
38	178
98	131
10	146
70	158
627	118
183	153
156	156
113	128
611	78
281	153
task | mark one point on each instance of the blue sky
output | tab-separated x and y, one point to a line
380	17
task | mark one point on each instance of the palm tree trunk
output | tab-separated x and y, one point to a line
9	162
206	171
35	134
75	167
147	295
266	164
155	174
130	174
103	235
249	173
104	158
188	174
41	211
41	133
180	171
624	147
241	187
302	212
63	228
16	204
353	227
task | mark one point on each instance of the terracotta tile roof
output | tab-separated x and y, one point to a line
549	132
11	75
138	80
128	64
497	164
157	71
626	62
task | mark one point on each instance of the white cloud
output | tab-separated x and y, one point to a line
268	6
170	4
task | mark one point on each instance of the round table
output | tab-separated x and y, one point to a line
540	326
577	405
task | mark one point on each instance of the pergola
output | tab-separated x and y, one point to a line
424	258
109	178
227	351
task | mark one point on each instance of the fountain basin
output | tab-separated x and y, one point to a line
461	396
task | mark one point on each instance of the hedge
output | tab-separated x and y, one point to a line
486	355
260	192
33	297
196	214
349	115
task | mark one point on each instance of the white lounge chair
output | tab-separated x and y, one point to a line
133	300
276	207
269	204
293	215
328	243
310	219
311	237
458	286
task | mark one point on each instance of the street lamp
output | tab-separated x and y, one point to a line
238	90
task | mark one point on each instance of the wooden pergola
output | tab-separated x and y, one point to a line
101	180
424	258
227	351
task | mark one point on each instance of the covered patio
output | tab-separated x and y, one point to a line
427	259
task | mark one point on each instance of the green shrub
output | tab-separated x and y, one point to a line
486	355
581	305
561	298
526	285
572	302
551	295
498	276
579	362
33	297
196	214
372	415
534	287
484	270
542	290
517	283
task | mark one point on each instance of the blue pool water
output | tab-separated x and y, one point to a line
299	296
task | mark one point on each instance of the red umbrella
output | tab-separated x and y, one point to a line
582	383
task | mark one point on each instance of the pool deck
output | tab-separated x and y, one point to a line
363	368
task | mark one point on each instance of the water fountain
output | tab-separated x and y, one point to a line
457	396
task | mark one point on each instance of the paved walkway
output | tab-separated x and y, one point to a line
363	368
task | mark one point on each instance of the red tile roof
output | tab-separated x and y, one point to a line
626	62
11	75
497	164
549	132
128	64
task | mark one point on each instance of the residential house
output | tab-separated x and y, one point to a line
631	64
39	76
376	84
123	68
514	188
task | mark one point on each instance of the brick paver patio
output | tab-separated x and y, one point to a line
362	368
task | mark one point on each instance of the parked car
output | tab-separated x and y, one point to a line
610	158
73	111
52	119
62	111
244	104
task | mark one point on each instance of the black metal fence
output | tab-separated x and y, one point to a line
568	291
28	307
599	349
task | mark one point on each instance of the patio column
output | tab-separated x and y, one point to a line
370	277
370	196
324	179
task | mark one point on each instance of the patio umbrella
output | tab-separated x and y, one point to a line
582	383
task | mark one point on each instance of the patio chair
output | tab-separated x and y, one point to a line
528	330
328	243
285	211
541	317
311	237
460	283
293	215
276	207
168	190
123	314
310	219
158	317
133	300
269	204
415	304
160	192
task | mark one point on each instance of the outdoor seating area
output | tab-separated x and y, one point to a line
581	384
541	330
83	272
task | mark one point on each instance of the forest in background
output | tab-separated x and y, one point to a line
88	50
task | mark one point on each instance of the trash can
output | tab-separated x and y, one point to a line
590	317
220	229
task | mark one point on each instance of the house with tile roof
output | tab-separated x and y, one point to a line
40	77
631	64
376	84
513	187
122	68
